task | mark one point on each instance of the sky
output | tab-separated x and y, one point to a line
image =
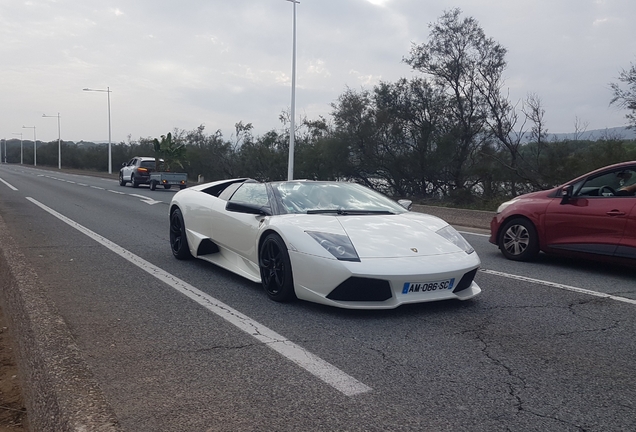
181	64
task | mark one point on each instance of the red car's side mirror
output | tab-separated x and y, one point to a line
566	194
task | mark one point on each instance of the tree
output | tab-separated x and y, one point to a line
626	98
170	151
461	60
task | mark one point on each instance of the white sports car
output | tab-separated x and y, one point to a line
335	243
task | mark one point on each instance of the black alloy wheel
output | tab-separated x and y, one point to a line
276	272
518	240
178	239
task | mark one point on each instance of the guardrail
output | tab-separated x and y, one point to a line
461	217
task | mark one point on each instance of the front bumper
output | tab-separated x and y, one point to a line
318	279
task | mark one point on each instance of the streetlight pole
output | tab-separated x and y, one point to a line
59	141
21	152
110	157
35	145
292	132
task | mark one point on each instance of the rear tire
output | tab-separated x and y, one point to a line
276	271
167	186
178	238
153	185
132	180
518	240
122	182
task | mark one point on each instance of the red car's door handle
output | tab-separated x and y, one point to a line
615	213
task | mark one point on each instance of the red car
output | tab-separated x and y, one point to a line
592	216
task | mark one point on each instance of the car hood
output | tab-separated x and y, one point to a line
395	236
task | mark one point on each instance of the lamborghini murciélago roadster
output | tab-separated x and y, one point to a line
335	243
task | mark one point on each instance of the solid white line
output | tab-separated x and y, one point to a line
475	234
303	358
8	185
560	286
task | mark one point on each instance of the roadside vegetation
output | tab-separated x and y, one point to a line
450	135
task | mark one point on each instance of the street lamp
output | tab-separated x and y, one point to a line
35	147
110	158
59	141
292	132
21	152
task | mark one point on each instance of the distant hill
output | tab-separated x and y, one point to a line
597	134
591	135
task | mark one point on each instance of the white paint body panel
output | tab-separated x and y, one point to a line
398	248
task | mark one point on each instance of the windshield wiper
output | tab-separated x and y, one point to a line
350	212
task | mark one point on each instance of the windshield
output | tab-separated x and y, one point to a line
333	198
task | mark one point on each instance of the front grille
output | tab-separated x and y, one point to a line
362	289
467	279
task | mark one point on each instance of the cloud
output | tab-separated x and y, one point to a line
217	62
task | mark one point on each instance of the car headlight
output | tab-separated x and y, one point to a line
503	206
338	245
451	234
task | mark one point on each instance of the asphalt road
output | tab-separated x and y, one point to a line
547	346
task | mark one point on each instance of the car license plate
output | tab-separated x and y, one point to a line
419	287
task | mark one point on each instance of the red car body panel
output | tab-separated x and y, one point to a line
597	227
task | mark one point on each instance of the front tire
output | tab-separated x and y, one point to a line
276	271
518	240
178	239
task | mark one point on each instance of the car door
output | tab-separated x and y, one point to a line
627	246
593	220
127	169
237	231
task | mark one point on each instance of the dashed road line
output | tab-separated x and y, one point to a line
10	186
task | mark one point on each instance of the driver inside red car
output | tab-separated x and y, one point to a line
627	187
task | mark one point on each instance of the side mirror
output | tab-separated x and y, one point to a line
123	164
241	207
566	194
407	204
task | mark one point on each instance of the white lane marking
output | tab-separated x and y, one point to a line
145	199
475	234
82	184
9	185
97	187
560	286
318	367
116	192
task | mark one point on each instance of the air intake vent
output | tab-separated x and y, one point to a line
467	279
362	289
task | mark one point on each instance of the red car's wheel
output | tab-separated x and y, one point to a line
518	240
